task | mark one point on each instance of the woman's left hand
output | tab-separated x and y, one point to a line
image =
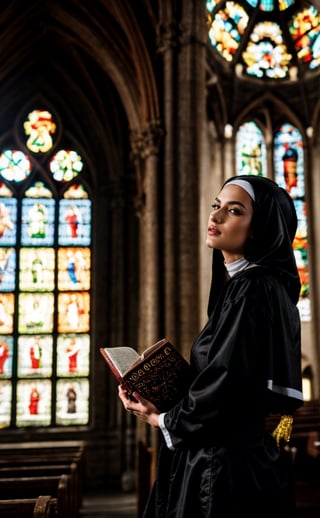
141	408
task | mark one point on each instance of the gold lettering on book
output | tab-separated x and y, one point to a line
151	364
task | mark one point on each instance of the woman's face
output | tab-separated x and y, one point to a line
230	222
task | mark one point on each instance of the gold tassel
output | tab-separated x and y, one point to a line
283	431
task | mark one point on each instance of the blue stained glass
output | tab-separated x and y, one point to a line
75	222
289	160
37	222
7	269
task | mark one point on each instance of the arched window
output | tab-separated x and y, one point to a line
45	276
265	39
289	174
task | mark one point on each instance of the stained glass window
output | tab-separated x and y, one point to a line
276	41
304	28
45	281
66	165
251	150
289	174
14	165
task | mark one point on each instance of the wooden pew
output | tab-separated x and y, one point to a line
42	470
47	458
31	487
41	507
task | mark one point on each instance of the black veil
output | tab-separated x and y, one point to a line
274	224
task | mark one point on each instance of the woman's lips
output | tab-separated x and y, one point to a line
213	231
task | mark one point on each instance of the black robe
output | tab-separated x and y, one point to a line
247	365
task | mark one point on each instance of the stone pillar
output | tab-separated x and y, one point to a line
182	38
145	147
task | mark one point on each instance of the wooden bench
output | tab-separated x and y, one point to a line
32	487
47	458
41	507
23	471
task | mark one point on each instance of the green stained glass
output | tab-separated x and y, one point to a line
250	150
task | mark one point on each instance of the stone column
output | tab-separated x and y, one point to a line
145	148
182	38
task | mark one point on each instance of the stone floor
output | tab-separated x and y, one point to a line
122	505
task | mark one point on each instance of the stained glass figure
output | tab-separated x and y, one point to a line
37	269
35	356
8	221
37	222
35	313
6	346
250	150
33	403
74	268
75	222
73	312
73	355
72	401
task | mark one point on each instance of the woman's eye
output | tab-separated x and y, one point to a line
235	211
215	206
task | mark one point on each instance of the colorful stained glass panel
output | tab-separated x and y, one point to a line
7	269
35	313
74	268
6	349
35	356
73	312
72	402
8	221
37	222
73	354
75	222
250	150
34	403
37	269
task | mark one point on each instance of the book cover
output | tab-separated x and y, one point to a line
160	374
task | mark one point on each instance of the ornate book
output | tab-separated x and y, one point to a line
160	374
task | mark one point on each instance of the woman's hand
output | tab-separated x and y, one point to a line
142	408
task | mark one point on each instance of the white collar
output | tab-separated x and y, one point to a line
236	266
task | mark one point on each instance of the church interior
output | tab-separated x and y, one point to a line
119	122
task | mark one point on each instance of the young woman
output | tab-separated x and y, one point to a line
216	459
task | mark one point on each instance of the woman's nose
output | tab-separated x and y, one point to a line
217	215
